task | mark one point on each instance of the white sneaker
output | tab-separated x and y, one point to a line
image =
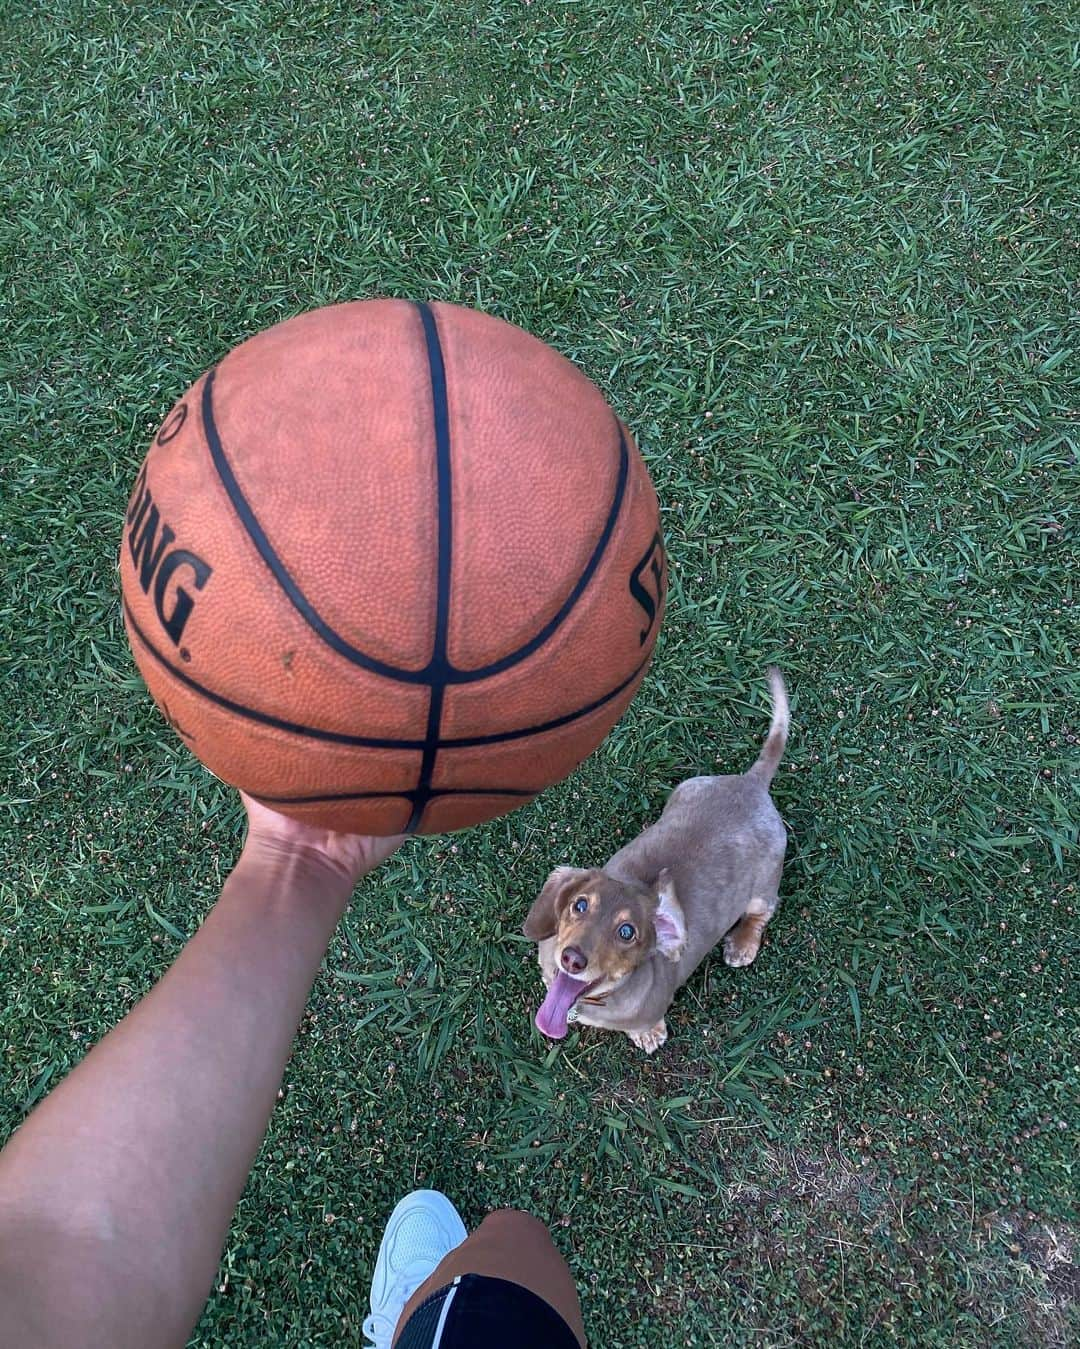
423	1228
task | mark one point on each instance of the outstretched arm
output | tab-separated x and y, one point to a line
116	1193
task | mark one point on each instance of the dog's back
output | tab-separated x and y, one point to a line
721	838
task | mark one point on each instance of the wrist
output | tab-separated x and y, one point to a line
288	869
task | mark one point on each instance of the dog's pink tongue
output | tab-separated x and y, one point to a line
561	996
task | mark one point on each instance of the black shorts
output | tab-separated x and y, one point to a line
478	1312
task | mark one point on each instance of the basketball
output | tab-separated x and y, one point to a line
392	566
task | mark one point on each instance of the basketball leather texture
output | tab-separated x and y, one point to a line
392	566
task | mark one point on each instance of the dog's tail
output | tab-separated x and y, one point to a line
773	749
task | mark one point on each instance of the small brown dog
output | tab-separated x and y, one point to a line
616	942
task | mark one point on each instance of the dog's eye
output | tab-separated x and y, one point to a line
626	932
580	904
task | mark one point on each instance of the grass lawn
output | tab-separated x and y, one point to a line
821	257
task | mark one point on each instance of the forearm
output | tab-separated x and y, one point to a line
116	1194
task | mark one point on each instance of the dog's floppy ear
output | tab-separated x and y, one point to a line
548	905
669	919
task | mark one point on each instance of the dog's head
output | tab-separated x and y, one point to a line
602	929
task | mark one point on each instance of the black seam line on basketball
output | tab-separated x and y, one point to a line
433	794
265	718
443	478
438	666
363	741
524	652
279	571
421	794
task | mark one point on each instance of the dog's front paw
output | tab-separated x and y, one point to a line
649	1040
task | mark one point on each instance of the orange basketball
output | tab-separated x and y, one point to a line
392	566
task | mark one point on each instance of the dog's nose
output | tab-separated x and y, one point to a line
573	960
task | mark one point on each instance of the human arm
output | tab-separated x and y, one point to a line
117	1191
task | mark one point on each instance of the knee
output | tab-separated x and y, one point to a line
515	1224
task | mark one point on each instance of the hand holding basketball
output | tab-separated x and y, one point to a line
351	855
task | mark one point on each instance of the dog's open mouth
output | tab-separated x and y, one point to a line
561	996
